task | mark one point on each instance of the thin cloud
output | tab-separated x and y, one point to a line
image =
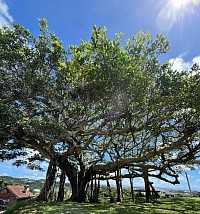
7	168
5	17
182	178
4	174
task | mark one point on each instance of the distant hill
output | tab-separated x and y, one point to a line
37	184
34	184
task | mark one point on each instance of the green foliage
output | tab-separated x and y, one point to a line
101	102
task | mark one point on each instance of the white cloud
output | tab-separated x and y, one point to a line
4	174
180	64
5	17
196	60
37	175
182	178
195	187
126	182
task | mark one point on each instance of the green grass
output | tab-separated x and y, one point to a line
161	206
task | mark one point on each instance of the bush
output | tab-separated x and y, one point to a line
139	194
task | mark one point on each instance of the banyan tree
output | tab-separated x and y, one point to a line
97	108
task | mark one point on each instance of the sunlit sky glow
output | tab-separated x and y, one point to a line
181	4
72	20
175	11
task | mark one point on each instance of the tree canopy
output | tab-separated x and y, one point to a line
98	107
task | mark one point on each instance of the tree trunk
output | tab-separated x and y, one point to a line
61	192
131	184
91	190
78	190
119	192
110	192
48	187
95	194
78	180
147	186
86	191
98	190
154	193
95	191
120	182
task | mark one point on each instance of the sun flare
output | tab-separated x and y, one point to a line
179	3
175	12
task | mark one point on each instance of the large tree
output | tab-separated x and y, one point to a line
97	107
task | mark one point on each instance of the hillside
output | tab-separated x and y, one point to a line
34	184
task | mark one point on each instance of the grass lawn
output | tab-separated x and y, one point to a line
161	206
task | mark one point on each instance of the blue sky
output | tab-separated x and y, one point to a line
72	20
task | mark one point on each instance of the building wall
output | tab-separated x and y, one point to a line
5	194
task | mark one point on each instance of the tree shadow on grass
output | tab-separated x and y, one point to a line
74	208
80	208
180	205
164	206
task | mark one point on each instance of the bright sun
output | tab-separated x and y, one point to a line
179	3
176	11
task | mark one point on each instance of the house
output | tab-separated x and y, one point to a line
10	194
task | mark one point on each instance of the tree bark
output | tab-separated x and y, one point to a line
61	192
154	193
131	184
121	187
147	186
118	185
95	191
110	192
48	187
91	190
78	189
78	180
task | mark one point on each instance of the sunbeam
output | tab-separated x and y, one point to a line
175	11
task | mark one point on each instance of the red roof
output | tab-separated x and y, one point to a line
19	191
